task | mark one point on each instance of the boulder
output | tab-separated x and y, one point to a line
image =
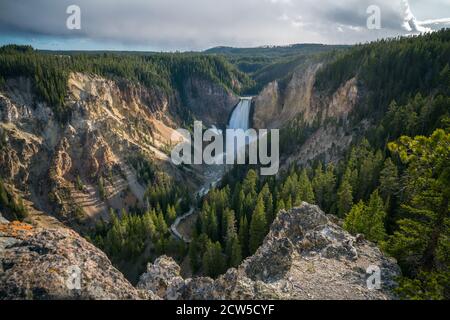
305	256
47	264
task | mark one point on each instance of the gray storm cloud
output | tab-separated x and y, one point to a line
198	24
410	22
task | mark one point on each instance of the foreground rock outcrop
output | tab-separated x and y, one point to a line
38	264
305	256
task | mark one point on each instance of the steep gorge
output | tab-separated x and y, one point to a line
76	171
297	99
116	126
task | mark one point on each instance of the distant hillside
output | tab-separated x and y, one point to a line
268	63
275	51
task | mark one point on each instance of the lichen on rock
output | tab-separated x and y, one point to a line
304	256
39	263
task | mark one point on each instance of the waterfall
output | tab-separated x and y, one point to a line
240	118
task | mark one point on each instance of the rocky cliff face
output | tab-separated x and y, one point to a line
209	102
40	264
305	256
114	127
275	106
279	104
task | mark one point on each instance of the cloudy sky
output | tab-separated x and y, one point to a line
167	25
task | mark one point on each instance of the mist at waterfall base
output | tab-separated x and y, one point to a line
232	147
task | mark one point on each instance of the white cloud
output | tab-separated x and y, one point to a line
411	24
199	24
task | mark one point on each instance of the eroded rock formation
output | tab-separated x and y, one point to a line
39	263
305	256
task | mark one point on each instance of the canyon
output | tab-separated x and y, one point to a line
76	175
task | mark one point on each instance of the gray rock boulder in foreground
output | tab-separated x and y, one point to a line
305	256
39	263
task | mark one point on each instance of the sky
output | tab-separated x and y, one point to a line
182	25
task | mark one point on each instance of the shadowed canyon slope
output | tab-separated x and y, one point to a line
115	127
85	143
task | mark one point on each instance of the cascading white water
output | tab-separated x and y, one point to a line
240	118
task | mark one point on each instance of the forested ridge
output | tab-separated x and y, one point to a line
392	185
165	71
392	69
267	64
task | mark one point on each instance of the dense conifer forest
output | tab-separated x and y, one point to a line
392	185
159	70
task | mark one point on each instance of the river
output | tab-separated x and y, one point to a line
240	119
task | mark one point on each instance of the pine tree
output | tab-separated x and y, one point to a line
354	222
204	217
149	224
445	77
376	218
368	220
345	197
280	206
213	260
250	183
306	190
267	198
421	243
171	214
244	235
236	200
324	184
258	227
229	225
213	226
389	180
161	225
236	253
249	203
194	256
